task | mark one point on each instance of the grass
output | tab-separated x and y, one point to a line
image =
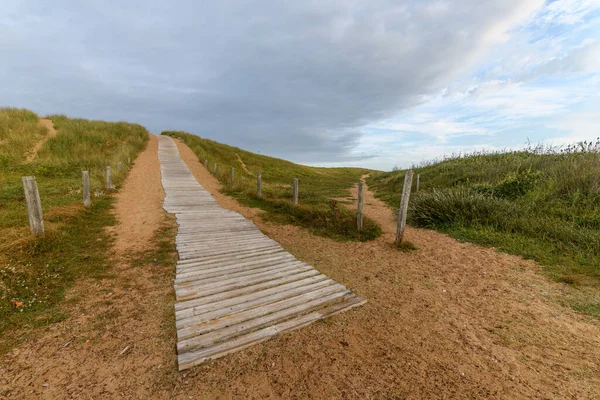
35	271
540	203
317	187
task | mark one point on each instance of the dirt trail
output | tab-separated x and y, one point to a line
243	165
450	320
51	133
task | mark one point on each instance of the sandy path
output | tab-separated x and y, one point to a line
51	133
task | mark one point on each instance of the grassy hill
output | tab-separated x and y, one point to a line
543	204
36	270
317	188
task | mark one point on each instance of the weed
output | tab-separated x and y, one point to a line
406	247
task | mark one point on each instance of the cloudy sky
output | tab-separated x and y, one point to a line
373	83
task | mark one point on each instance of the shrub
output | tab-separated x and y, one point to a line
460	205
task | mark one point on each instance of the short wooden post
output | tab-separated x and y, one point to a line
259	184
34	204
295	191
359	218
232	175
205	163
119	165
85	177
418	181
215	168
404	206
108	180
128	160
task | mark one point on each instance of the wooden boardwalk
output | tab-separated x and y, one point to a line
235	287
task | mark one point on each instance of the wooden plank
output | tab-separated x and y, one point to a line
222	271
243	255
237	274
224	260
232	293
251	301
198	286
242	298
204	253
190	359
297	304
293	274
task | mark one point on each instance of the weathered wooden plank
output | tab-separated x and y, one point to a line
217	272
190	359
237	274
198	286
297	304
252	301
243	298
222	294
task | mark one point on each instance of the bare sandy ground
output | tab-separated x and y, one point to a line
450	320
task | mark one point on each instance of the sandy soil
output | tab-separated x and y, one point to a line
51	133
450	320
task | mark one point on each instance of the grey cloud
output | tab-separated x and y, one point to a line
292	79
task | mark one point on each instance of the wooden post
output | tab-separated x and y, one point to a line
128	160
108	180
215	168
119	165
359	218
259	184
404	206
34	204
232	175
85	177
418	181
205	163
295	191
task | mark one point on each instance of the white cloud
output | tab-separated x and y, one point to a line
568	12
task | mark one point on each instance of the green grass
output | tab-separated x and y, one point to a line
317	188
35	271
540	203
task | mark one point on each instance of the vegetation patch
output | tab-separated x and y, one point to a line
35	271
540	203
317	187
